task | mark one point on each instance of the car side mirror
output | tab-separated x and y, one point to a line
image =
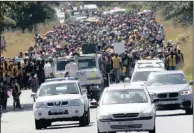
144	84
127	80
191	82
34	95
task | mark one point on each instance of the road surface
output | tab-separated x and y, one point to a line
22	121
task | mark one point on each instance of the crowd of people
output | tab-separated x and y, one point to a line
142	35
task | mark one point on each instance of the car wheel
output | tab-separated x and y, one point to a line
88	117
38	124
82	120
189	111
153	131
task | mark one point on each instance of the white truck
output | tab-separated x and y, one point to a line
90	75
59	66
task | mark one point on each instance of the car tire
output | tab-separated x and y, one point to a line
82	120
88	117
152	131
38	124
189	111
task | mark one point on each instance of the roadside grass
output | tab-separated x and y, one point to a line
173	32
19	42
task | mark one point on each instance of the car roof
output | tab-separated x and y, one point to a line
59	82
149	69
169	72
149	61
123	86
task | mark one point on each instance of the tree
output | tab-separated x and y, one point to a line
24	15
180	12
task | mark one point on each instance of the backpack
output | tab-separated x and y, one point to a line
34	81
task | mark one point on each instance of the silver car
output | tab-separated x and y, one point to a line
171	90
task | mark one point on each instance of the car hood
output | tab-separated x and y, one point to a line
123	108
138	83
167	88
58	98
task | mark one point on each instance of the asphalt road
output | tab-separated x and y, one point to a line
22	121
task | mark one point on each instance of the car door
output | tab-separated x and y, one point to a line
84	96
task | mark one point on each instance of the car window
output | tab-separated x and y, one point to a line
124	96
86	63
57	89
141	76
61	65
166	79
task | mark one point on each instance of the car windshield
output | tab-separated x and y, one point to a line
59	88
125	96
74	13
86	63
141	76
166	79
61	65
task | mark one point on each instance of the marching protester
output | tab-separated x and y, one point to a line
141	34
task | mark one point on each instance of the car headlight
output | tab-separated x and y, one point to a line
76	102
185	92
147	113
153	95
40	105
104	117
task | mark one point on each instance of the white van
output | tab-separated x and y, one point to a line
149	63
141	73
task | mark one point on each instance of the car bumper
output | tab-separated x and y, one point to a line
68	113
132	125
182	102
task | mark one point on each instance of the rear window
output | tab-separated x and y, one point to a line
141	76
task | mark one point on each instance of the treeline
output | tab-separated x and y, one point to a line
25	15
179	12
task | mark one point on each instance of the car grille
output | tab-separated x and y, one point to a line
125	126
173	94
162	95
122	115
172	99
62	103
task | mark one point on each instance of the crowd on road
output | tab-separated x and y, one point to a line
142	35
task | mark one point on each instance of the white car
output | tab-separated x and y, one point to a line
154	62
125	107
62	100
171	90
141	74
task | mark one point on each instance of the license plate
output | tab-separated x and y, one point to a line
57	110
126	123
168	102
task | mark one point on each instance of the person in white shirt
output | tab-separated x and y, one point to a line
48	69
71	69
